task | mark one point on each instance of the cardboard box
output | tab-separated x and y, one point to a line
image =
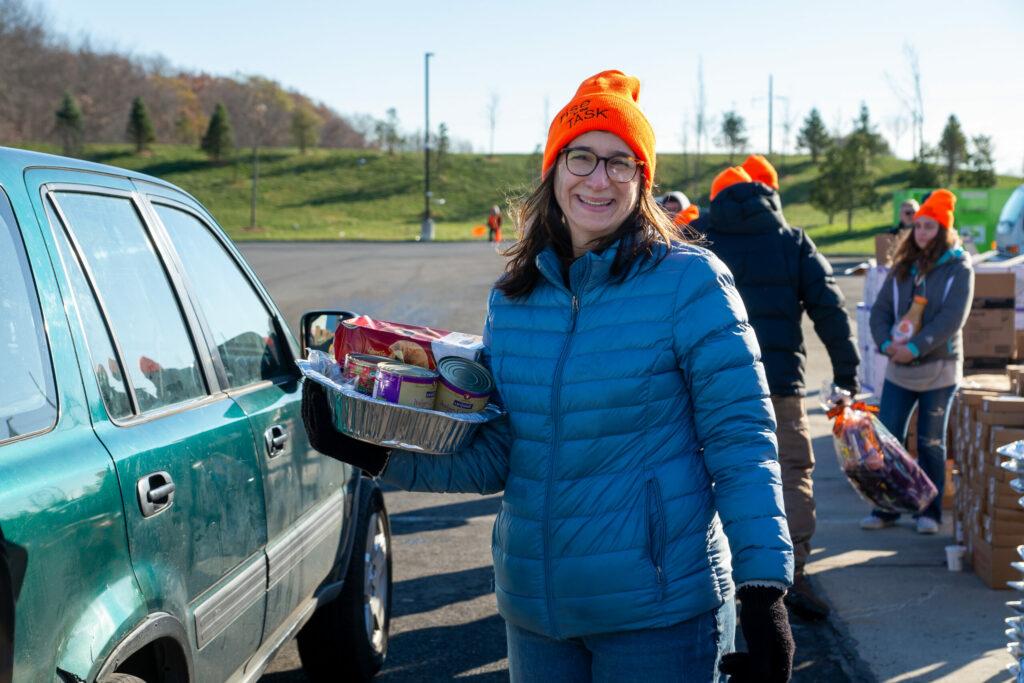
989	333
1001	436
992	563
988	285
885	245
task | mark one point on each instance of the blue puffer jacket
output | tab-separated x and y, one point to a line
639	428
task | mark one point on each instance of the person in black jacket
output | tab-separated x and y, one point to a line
780	274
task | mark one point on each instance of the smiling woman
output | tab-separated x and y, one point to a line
638	462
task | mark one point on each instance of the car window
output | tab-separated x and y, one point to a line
134	290
242	325
28	394
109	376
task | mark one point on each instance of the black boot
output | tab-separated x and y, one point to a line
802	599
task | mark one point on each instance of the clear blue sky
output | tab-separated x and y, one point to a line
364	57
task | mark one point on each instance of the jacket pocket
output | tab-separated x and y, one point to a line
656	530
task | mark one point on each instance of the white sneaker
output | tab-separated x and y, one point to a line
927	525
872	523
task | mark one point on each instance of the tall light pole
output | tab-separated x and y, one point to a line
427	229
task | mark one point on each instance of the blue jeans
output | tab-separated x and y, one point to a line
688	652
932	420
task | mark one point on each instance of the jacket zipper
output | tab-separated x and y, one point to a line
556	391
656	532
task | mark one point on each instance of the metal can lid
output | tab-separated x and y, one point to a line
366	358
465	376
406	370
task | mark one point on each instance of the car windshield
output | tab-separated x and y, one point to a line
1011	211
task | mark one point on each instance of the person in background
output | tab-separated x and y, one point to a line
780	274
761	170
678	207
494	224
638	460
926	369
907	211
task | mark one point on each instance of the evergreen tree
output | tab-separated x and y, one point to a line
846	179
387	134
813	136
732	134
953	147
980	170
218	142
70	125
870	138
140	129
925	172
305	128
443	143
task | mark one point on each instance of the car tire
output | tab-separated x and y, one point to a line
347	639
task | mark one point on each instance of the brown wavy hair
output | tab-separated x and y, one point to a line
540	222
908	254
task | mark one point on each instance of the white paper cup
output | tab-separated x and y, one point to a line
955	557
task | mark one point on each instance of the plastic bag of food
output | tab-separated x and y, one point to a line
875	462
411	344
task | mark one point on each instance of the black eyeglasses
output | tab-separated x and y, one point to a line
619	167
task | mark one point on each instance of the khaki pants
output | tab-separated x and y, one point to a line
796	458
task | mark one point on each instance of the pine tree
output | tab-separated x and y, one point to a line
732	135
813	136
305	128
219	141
980	171
953	147
846	179
70	125
140	126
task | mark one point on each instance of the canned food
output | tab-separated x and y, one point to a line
363	367
407	385
463	386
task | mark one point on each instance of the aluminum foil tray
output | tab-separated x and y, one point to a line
387	424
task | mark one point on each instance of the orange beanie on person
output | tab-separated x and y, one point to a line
687	215
761	170
730	176
939	206
606	101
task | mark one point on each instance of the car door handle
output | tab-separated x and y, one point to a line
156	492
277	438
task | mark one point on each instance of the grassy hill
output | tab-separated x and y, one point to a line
367	195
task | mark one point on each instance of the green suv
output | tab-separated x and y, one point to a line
162	515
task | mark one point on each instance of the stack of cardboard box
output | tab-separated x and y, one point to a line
989	336
987	517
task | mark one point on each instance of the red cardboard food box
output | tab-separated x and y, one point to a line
412	344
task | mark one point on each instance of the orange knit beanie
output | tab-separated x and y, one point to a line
606	101
939	206
687	215
730	176
761	170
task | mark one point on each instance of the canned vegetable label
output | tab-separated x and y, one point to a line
463	386
407	385
363	367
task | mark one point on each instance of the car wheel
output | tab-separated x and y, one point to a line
347	639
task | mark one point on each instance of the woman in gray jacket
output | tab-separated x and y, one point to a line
926	368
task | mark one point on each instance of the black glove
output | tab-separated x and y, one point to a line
316	416
769	640
848	382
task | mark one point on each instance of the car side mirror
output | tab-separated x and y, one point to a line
316	329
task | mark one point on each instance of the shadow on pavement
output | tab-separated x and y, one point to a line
438	590
442	516
444	653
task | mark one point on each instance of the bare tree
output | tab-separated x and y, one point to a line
701	122
897	126
492	116
911	99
